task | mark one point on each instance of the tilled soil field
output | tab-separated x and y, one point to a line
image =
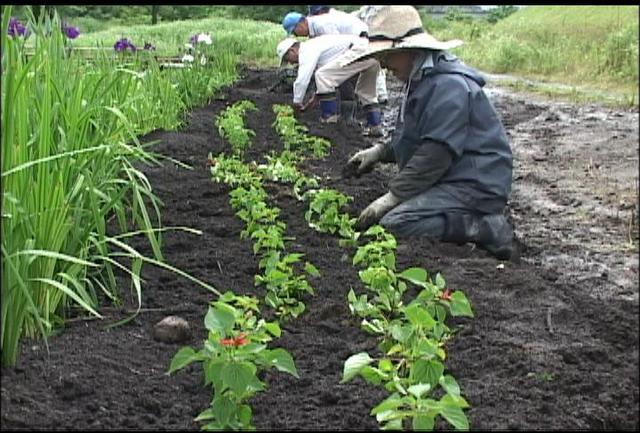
554	340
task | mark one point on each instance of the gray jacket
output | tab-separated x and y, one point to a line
449	134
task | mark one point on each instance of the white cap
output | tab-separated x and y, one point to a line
283	47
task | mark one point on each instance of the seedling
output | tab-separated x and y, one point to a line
233	355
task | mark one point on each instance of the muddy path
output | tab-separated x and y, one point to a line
554	340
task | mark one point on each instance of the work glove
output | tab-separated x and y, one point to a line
376	210
363	161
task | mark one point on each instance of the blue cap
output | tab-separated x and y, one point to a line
291	20
314	9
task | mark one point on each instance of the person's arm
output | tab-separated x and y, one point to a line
428	164
307	61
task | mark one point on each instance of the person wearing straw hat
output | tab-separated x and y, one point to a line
454	159
332	75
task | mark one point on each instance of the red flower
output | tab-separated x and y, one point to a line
239	340
446	295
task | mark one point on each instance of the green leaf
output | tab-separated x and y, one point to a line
251	348
385	365
390	403
282	360
418	316
460	305
427	371
450	385
184	357
237	376
206	415
311	270
227	296
219	320
451	411
373	327
423	422
256	385
419	389
354	364
415	275
273	328
372	375
427	348
440	283
390	260
212	373
223	408
244	415
394	424
401	332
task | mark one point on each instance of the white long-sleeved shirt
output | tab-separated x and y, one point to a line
317	52
335	22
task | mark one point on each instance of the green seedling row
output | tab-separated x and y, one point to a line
235	352
412	337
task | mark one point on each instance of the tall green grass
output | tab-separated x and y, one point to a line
576	45
69	165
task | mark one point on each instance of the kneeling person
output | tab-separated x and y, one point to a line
455	163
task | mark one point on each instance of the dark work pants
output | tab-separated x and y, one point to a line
438	214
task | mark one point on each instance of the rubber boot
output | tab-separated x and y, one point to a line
348	112
328	108
496	236
374	121
491	232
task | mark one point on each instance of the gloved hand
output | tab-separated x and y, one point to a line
376	210
363	161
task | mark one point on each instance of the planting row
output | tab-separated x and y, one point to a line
236	350
410	358
412	336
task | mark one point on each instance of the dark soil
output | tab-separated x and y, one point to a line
543	352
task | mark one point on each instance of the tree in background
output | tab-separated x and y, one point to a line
500	12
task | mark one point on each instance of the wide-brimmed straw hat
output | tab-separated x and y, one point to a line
400	27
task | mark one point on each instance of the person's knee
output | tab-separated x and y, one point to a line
399	225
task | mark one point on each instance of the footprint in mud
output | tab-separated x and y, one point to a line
208	213
223	231
329	312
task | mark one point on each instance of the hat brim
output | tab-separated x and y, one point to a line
421	41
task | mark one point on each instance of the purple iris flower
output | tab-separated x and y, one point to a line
124	44
16	28
71	31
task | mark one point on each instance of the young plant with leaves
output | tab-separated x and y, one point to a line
294	135
230	125
412	344
232	357
324	212
284	287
